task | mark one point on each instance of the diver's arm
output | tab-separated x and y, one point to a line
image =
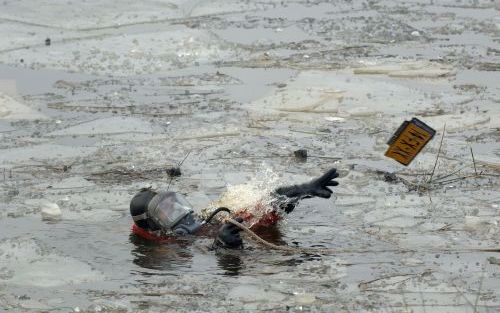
287	197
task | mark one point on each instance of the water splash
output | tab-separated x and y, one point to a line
252	199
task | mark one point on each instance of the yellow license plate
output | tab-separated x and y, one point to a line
409	140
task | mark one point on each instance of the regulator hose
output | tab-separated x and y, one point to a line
215	212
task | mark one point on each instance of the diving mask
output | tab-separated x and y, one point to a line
168	209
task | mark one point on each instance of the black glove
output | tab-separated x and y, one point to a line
315	188
229	236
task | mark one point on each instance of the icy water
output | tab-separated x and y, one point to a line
126	89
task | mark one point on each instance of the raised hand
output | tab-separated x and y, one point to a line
317	187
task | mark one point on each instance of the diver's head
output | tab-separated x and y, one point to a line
165	211
139	207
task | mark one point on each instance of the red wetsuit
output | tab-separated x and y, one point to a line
267	219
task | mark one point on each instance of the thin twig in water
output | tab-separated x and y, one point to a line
209	136
306	132
479	292
448	175
178	165
155	294
438	153
325	157
272	157
473	160
411	174
423	300
169	182
365	284
250	157
461	293
444	182
445	227
404	299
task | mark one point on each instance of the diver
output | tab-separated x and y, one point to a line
164	216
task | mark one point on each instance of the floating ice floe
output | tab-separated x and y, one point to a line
92	206
461	122
421	241
408	69
30	264
128	54
397	217
253	293
304	298
98	15
335	119
342	95
412	262
92	14
478	222
51	212
12	109
74	182
201	8
43	152
207	133
111	125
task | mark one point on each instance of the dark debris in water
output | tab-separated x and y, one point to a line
300	155
174	171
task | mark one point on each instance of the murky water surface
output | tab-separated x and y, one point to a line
125	91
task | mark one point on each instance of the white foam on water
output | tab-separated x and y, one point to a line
252	198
